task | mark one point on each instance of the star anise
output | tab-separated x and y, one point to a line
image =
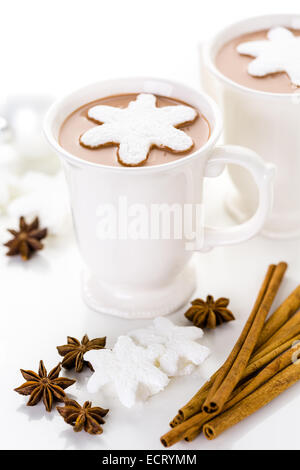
73	352
27	240
83	417
209	313
43	385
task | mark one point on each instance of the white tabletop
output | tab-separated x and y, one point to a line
41	304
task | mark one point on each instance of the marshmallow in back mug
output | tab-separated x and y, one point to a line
143	278
251	69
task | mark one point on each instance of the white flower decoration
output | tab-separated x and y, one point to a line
25	114
43	196
9	185
139	127
279	53
130	368
9	178
180	352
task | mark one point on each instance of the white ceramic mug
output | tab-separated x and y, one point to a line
147	278
266	122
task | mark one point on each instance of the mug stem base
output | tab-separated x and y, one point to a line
140	303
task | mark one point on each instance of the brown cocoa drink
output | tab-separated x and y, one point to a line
108	152
234	65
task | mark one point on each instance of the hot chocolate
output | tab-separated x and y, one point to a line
265	60
134	129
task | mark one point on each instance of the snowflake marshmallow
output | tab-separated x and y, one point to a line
279	53
130	368
139	127
180	352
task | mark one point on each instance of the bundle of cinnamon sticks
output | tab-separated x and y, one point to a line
262	364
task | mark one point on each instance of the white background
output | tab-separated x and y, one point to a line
59	45
54	46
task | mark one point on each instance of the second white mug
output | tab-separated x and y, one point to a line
264	121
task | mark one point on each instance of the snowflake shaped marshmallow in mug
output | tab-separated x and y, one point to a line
279	53
139	127
180	352
130	368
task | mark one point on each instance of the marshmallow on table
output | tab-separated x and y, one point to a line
180	352
129	368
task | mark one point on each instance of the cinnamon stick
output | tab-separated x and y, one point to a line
253	402
234	367
192	427
192	435
257	363
196	402
250	370
287	331
253	367
290	306
176	420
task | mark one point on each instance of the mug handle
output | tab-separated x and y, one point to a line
263	174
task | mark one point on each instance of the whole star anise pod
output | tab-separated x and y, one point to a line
209	313
83	417
27	240
43	385
73	352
